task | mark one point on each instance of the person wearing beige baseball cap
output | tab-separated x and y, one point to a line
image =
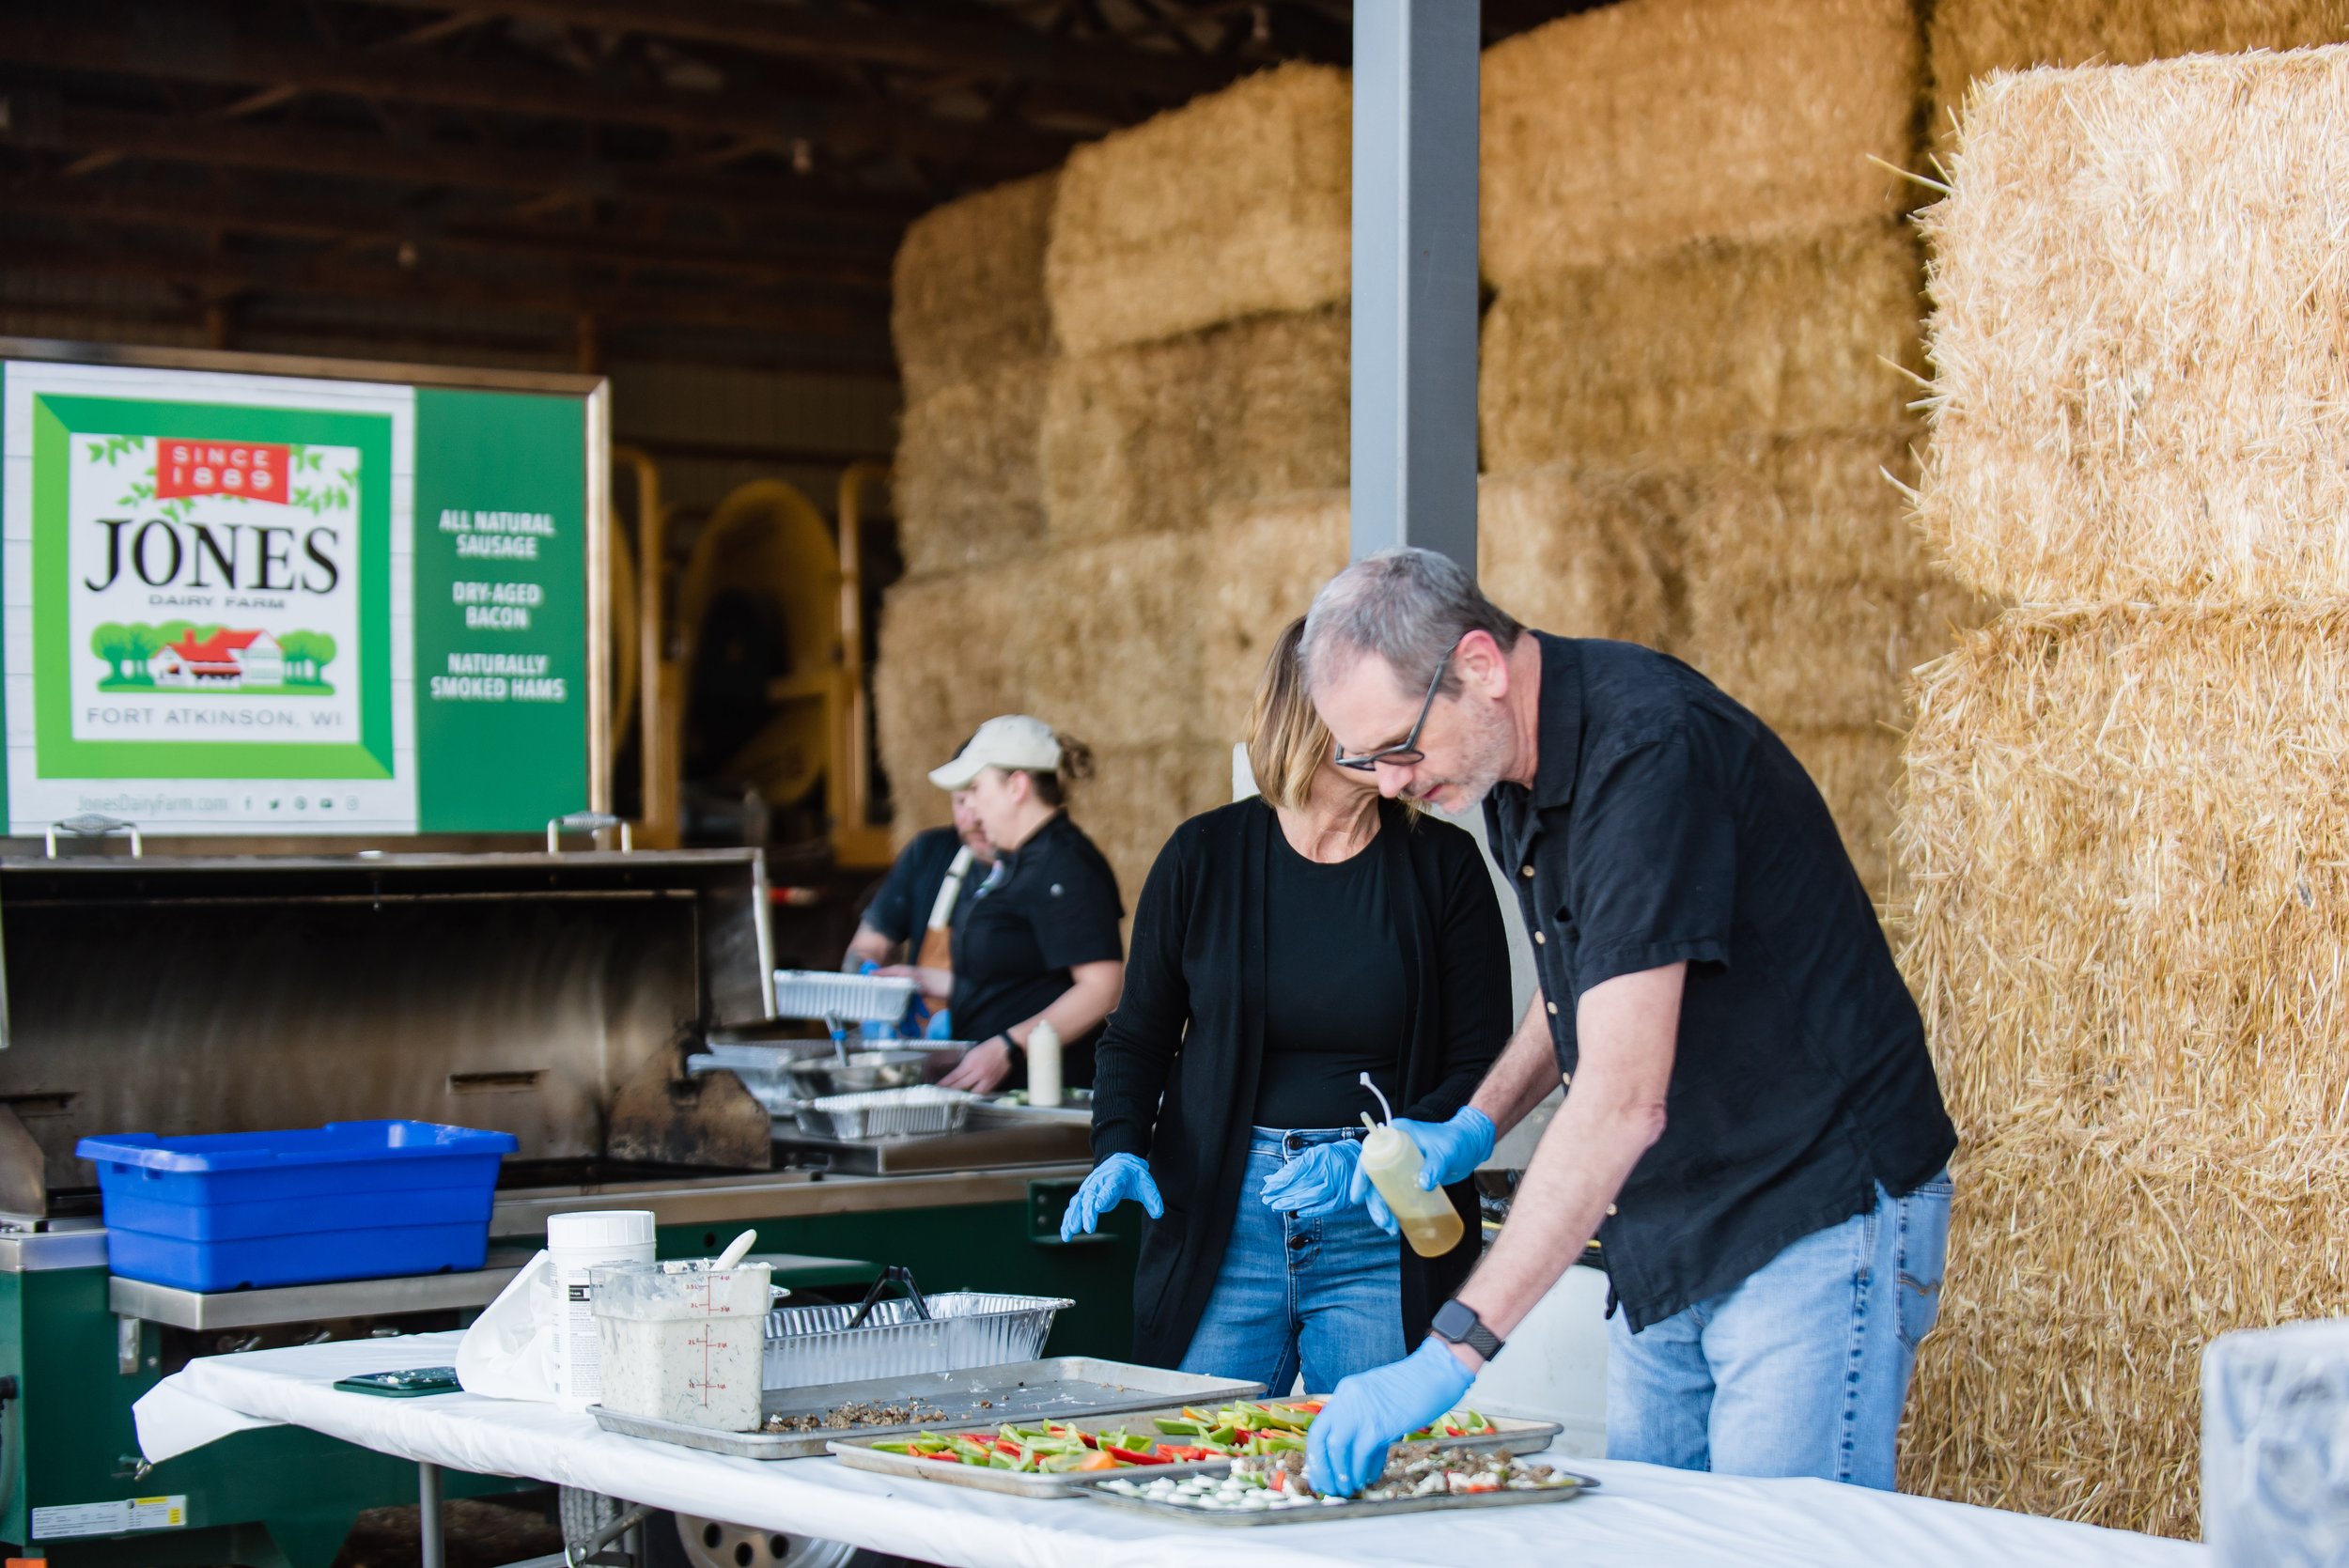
1041	941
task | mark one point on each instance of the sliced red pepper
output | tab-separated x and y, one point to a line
1088	1440
1130	1457
1004	1445
946	1456
1450	1431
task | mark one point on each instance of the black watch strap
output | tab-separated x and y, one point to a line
1457	1323
1019	1051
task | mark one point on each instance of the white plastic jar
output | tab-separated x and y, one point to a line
577	1243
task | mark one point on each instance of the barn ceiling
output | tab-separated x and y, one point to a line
716	181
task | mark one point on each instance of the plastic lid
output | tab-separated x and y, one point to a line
600	1229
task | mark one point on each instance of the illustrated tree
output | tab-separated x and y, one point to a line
146	643
111	641
295	645
321	655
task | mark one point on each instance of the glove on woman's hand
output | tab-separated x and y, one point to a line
1314	1185
1114	1181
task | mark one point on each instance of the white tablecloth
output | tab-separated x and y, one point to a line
1641	1514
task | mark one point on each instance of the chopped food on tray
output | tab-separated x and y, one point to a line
1247	1426
848	1418
1193	1436
1278	1480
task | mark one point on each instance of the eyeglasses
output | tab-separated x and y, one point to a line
1406	753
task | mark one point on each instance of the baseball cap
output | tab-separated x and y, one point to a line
1013	741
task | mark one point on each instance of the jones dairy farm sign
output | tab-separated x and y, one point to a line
242	604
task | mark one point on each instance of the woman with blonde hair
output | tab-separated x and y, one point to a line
1284	946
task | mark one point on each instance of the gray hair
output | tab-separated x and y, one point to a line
1407	605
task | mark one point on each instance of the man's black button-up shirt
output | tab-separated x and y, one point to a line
1667	823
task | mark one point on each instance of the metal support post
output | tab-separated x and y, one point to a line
432	1543
1414	387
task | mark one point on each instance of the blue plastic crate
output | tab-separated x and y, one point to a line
347	1201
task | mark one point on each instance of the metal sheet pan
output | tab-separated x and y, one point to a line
858	1455
1335	1514
1063	1387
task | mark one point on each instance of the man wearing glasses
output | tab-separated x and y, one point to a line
1752	1124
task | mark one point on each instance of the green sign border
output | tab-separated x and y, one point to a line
56	420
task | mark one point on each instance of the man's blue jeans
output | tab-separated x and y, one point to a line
1799	1370
1326	1293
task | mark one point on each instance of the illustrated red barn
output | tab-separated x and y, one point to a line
226	659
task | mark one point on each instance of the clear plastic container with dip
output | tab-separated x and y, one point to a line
684	1341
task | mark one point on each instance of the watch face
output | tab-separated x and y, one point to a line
1454	1322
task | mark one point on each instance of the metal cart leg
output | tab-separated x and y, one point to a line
434	1545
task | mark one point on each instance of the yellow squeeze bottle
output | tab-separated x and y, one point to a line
1392	1163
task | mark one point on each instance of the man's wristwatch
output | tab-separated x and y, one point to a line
1456	1323
1018	1053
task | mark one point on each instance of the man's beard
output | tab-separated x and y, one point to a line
1483	760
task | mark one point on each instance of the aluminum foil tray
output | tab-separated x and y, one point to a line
858	1455
817	994
965	1329
1334	1513
884	1113
1062	1387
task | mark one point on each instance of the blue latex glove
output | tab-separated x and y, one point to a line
1346	1448
1114	1180
1449	1151
1316	1184
1452	1150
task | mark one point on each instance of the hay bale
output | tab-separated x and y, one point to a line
1816	655
967	289
1156	436
969	480
1259	569
2123	837
1666	357
1968	40
1856	770
1828	506
1236	204
1634	127
1585	553
1106	639
945	664
2140	389
1139	795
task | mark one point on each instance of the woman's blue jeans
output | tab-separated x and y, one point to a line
1326	1294
1802	1367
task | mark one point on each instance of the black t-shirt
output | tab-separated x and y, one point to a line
1053	906
1334	990
901	910
1666	823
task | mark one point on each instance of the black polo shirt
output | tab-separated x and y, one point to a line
1055	907
901	910
1666	823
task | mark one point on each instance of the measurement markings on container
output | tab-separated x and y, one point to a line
109	1518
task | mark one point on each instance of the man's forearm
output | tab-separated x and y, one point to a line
1613	1113
1523	1075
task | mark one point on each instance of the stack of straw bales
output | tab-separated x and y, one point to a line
1705	335
1971	39
1109	534
2126	823
975	341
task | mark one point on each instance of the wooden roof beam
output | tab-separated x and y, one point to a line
187	40
262	213
932	42
40	120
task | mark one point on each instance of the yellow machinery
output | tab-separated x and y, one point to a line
769	596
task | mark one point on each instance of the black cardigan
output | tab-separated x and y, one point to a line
1175	1073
